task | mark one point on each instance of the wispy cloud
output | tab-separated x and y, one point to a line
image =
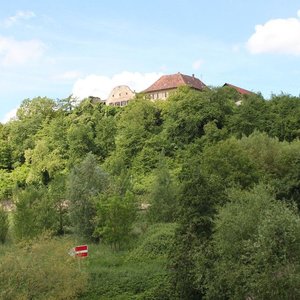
14	52
100	86
276	36
19	16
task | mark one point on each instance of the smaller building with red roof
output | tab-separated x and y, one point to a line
238	89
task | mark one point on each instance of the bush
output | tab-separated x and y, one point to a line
156	243
130	280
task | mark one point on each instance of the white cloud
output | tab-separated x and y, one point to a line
20	15
197	64
69	75
101	86
10	115
14	52
276	36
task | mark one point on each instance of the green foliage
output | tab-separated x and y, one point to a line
44	163
162	198
80	140
230	162
34	213
114	276
284	117
188	111
31	117
105	132
41	269
4	224
57	195
85	182
200	196
252	114
115	216
277	163
256	247
49	164
138	122
156	243
6	184
5	155
129	281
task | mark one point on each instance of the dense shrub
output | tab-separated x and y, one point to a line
156	243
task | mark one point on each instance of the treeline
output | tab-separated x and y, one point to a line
226	175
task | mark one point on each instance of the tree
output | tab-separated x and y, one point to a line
186	114
44	163
5	155
200	195
105	132
57	195
34	214
85	181
139	121
251	115
284	117
6	185
230	162
115	216
256	245
163	195
32	115
4	224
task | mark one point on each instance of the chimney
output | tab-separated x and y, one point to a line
193	75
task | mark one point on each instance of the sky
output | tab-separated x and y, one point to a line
61	47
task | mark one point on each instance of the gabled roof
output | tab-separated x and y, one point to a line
173	81
238	89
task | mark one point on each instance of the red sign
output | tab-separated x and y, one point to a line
80	251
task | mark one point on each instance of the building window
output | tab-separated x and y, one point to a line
157	96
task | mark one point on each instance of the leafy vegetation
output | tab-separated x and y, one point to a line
194	197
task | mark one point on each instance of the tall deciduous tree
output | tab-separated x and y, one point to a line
115	217
34	213
198	201
85	182
163	196
256	247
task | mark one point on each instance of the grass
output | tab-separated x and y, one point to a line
117	275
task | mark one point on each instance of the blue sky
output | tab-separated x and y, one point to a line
61	47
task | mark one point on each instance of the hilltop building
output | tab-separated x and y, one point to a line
120	95
161	88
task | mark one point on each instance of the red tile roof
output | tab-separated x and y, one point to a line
238	89
173	81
